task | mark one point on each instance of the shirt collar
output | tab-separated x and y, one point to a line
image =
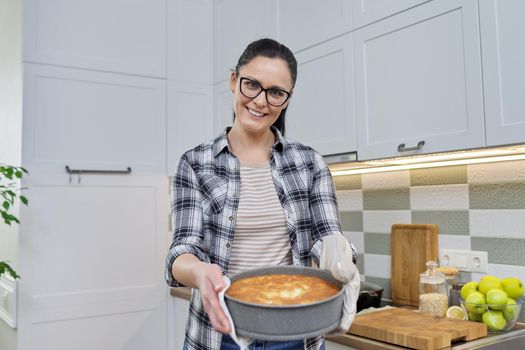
221	142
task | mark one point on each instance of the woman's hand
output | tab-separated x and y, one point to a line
210	283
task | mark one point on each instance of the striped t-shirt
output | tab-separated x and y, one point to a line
261	236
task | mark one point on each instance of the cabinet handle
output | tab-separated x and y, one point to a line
79	172
402	148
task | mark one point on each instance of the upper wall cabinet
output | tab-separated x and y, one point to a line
321	112
190	46
223	106
316	21
92	120
367	11
190	123
108	35
418	81
237	23
503	53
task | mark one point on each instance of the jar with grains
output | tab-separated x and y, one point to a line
433	293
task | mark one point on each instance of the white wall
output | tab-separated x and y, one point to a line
10	125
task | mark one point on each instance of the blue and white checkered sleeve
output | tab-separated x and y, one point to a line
186	214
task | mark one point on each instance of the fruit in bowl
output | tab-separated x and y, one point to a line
493	301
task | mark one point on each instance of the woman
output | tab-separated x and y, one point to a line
249	198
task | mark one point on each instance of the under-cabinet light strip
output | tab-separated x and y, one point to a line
377	169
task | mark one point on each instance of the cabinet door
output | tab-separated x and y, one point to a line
237	23
503	53
109	35
190	46
367	11
418	78
316	21
190	119
321	110
92	120
223	106
91	257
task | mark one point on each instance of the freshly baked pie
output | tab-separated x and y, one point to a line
282	289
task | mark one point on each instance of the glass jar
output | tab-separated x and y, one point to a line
433	293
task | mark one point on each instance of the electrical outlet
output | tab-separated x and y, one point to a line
464	260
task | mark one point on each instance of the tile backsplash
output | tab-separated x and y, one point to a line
476	207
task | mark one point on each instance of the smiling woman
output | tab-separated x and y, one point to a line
251	198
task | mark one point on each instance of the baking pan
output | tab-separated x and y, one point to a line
286	322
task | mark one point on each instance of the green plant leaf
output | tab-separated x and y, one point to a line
24	200
6	205
4	267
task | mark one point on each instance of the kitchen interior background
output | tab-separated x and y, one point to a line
477	207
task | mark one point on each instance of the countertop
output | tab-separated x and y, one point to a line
489	342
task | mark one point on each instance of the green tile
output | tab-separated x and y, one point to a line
352	221
500	250
521	252
383	282
377	243
439	176
348	182
508	195
361	263
449	222
391	199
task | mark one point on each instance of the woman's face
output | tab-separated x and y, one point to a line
256	115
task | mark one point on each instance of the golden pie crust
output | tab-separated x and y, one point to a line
282	289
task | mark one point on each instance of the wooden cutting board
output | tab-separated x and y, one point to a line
415	330
412	246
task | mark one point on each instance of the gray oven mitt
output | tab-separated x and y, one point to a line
336	257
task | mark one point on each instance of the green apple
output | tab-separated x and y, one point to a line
475	317
494	320
475	303
513	287
496	299
487	283
468	288
511	310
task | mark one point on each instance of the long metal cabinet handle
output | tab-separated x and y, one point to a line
79	172
89	171
402	148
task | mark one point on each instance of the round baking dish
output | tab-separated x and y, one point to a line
286	322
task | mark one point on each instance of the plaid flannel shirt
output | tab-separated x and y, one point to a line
205	201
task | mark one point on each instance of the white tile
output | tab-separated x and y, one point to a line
350	200
357	238
381	221
502	271
497	172
497	223
460	242
442	197
377	265
391	179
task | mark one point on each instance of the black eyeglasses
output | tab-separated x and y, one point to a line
274	96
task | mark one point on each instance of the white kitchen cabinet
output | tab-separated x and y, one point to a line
223	105
92	120
316	21
114	35
190	118
236	24
503	53
189	45
418	79
367	11
321	112
91	257
178	315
